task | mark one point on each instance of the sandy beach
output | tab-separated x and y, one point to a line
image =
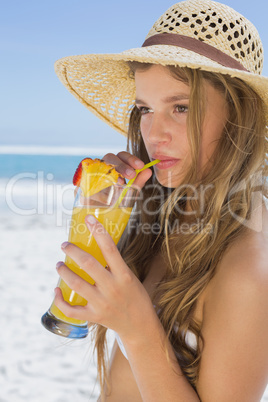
35	365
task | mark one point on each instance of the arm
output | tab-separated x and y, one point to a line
158	376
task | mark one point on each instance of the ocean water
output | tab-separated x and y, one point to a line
59	168
37	183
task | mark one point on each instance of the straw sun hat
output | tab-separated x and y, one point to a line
194	33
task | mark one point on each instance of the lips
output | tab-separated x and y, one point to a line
166	161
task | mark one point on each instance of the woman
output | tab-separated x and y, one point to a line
188	297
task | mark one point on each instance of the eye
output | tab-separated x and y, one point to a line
144	109
181	108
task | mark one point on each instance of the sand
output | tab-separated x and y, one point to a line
35	364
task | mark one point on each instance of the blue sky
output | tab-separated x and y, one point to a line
35	107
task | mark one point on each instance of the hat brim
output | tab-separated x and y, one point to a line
101	82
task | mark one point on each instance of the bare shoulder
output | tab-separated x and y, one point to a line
242	274
245	262
235	323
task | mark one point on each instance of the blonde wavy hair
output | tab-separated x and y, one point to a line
239	169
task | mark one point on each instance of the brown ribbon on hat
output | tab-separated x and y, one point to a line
195	45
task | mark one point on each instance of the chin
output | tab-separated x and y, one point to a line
168	182
172	178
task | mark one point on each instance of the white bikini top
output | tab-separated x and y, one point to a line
190	339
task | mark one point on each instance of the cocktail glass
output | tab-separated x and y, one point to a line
114	217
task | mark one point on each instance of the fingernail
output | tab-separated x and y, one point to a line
91	219
139	164
59	264
65	244
129	172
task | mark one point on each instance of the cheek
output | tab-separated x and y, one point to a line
144	126
212	133
215	119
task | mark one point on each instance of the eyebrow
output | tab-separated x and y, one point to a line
169	99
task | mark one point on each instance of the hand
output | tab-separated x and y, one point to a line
126	164
118	300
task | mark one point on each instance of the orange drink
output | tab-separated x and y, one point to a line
99	194
114	221
114	216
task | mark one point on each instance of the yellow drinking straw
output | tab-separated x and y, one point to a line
154	162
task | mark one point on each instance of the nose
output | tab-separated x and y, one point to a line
157	129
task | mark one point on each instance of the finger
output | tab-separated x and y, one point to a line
121	181
111	159
106	244
75	282
131	160
76	312
125	163
121	167
86	261
142	178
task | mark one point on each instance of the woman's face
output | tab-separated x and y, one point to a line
164	102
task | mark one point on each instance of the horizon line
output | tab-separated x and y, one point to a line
55	150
